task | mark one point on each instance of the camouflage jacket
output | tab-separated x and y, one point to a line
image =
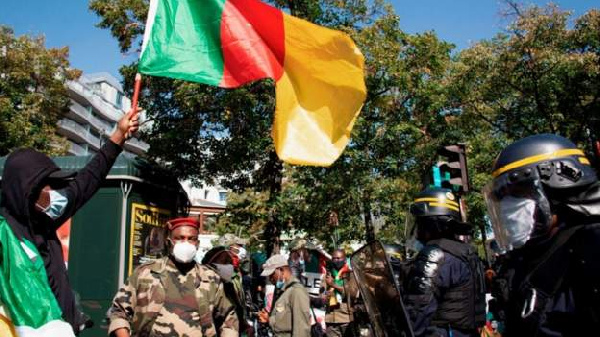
158	300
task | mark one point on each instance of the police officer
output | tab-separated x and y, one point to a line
544	204
444	291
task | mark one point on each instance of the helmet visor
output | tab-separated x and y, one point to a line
518	209
413	245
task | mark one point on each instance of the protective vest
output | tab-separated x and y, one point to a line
566	267
462	307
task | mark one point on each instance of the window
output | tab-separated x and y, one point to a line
222	196
119	101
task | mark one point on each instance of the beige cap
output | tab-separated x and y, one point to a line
274	262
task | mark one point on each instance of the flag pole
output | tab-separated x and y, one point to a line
126	188
136	94
136	91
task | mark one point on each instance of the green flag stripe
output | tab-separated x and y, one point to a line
24	288
185	41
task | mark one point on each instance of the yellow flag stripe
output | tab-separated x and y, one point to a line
319	95
7	329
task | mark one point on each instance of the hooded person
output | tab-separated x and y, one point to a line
37	198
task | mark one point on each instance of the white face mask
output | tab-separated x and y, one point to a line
57	205
241	253
517	216
184	252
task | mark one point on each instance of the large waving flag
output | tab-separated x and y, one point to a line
319	72
28	307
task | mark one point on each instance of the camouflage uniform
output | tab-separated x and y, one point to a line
158	300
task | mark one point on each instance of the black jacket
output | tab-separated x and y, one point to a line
444	290
573	309
26	172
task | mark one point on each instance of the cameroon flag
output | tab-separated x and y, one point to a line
318	72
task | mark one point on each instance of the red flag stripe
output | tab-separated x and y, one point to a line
252	40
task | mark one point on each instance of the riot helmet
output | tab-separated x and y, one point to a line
394	251
530	177
434	214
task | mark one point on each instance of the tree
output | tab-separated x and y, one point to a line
395	137
210	134
541	75
33	95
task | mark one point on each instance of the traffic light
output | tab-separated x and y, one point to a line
435	177
453	169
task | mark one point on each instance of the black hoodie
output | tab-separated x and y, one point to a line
26	172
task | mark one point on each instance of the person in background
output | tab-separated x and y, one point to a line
338	317
225	260
290	314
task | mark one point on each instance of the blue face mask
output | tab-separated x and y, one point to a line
279	284
58	204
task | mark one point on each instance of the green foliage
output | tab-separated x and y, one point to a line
124	18
541	75
33	95
396	134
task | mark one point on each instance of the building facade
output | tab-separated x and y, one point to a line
207	203
97	104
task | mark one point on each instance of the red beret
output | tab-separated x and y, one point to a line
174	223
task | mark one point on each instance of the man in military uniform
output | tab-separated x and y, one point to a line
240	281
544	205
445	290
290	314
226	260
174	296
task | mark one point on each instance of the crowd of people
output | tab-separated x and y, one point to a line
543	204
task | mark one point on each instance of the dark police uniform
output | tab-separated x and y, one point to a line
445	292
544	204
